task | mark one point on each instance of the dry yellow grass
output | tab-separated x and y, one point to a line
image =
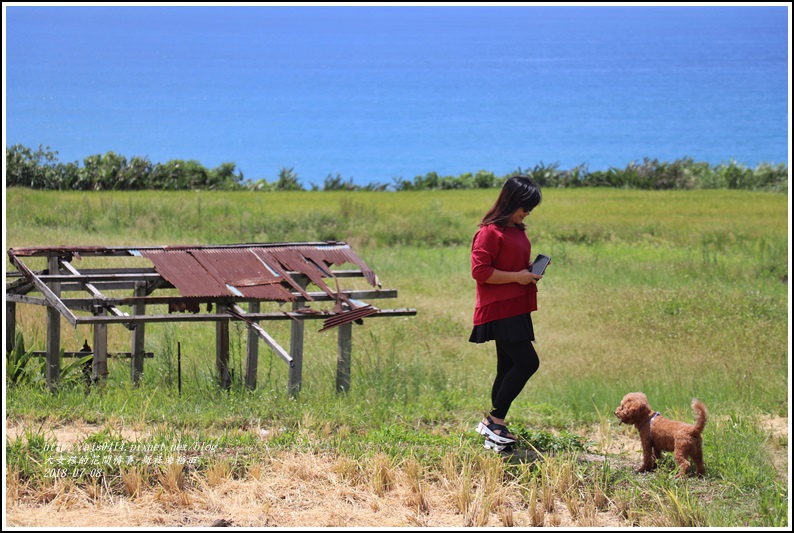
301	489
290	488
281	500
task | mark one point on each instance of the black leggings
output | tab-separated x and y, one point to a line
515	364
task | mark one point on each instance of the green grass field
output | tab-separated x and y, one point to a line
676	294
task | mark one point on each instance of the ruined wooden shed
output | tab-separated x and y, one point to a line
212	284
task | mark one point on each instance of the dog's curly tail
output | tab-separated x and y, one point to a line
702	414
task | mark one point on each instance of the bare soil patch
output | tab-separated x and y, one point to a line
71	433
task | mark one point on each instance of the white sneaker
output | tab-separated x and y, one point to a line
490	432
491	445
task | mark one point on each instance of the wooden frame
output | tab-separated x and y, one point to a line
47	288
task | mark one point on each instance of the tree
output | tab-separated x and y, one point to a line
28	168
288	180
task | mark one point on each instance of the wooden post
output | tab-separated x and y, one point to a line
345	347
296	347
179	368
252	352
138	337
100	366
222	349
53	370
11	325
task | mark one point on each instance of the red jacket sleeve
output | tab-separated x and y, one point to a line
484	249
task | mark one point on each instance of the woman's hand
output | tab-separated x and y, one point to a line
525	277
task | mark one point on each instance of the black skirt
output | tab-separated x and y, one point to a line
512	329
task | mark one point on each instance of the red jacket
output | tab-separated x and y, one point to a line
507	249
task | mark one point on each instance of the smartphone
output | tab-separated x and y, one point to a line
539	264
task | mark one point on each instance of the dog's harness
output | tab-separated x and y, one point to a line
650	423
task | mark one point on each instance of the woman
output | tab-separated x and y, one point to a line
506	295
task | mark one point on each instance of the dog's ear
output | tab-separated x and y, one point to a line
633	406
629	406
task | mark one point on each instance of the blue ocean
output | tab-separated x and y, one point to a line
383	92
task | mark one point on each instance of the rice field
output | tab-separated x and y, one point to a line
679	294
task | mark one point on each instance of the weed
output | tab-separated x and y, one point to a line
172	478
681	508
134	480
217	473
31	455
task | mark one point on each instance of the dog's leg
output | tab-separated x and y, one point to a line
697	458
648	462
681	460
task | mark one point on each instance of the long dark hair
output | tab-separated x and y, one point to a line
518	191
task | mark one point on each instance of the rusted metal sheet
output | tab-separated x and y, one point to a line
255	272
348	316
294	259
244	272
338	255
185	273
260	271
271	260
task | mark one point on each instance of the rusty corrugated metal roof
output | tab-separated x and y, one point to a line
185	273
272	262
339	255
244	272
256	272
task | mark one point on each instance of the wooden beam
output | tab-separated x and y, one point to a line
109	286
52	370
264	335
51	296
11	325
252	352
19	286
182	317
122	355
119	270
83	251
296	346
164	300
344	350
83	304
138	337
354	295
100	365
336	273
222	350
88	271
93	278
92	289
23	299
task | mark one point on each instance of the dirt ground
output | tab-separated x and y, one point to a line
303	490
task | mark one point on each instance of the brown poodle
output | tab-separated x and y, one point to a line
658	434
